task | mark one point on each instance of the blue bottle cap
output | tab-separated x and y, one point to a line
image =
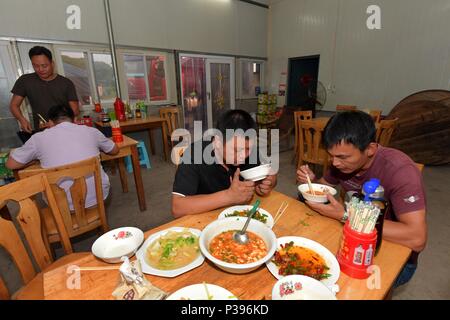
369	187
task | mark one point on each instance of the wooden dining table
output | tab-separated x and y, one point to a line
149	124
298	220
129	148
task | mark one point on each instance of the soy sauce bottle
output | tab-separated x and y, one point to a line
373	191
106	125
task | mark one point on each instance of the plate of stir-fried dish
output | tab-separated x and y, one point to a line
242	211
297	255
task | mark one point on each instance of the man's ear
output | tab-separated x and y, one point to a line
51	123
371	149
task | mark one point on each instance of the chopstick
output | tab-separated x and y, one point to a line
98	268
311	190
280	212
42	118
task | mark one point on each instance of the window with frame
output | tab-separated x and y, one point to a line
92	74
145	76
251	78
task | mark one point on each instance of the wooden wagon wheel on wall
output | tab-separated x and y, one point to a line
423	130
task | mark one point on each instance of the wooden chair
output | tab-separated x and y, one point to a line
172	117
299	115
345	107
375	114
29	221
310	149
385	128
420	166
81	219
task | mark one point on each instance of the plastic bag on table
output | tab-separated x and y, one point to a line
134	286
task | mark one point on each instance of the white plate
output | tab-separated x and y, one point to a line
140	254
198	292
329	258
230	210
298	287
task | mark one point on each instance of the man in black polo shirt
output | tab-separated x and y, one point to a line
207	184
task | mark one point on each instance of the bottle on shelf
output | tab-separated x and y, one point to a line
119	108
138	113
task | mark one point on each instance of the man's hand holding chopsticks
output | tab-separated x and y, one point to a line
334	209
303	172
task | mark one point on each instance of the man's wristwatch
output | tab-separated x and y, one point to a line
345	217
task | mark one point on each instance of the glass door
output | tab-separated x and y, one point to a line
193	91
220	87
207	89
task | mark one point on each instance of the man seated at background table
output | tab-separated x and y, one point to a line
65	142
349	138
208	185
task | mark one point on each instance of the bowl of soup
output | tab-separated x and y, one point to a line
319	195
217	245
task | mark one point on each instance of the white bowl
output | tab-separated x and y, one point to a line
303	188
226	224
256	173
115	244
298	287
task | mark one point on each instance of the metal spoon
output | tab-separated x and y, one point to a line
241	237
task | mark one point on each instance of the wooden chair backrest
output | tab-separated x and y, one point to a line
346	107
172	116
300	115
310	142
420	166
385	128
29	221
375	114
77	172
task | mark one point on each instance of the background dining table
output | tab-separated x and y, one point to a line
146	124
298	220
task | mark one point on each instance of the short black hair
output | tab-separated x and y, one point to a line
61	112
39	50
235	119
354	127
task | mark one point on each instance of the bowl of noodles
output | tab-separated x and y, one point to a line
320	191
217	245
171	252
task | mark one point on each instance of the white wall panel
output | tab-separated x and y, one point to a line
369	68
46	19
215	26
